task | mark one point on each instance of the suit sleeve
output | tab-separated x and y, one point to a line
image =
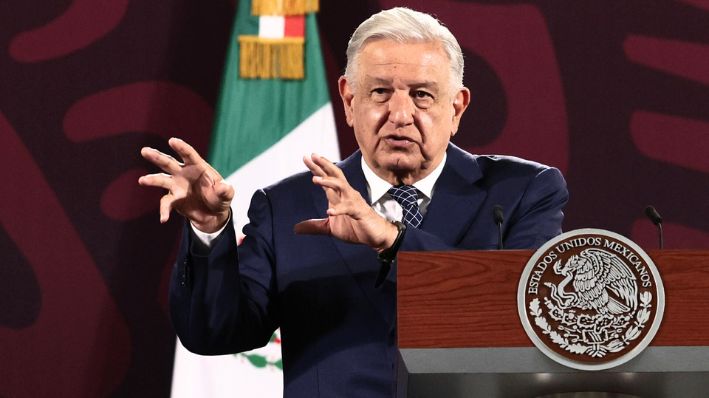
419	240
221	300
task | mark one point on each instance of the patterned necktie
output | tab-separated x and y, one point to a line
407	196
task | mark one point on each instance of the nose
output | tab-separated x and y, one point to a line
401	108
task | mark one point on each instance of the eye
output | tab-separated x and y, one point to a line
422	98
421	94
380	94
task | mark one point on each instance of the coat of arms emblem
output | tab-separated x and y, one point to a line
591	299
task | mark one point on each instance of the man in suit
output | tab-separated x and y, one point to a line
406	188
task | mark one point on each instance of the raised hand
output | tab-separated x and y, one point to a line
350	218
195	189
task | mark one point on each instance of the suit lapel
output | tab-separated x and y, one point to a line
456	198
361	261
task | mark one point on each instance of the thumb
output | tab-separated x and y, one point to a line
315	226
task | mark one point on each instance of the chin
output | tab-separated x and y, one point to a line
401	164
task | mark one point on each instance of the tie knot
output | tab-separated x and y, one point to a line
406	195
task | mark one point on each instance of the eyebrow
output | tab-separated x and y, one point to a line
378	80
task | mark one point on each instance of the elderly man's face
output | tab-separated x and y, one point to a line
402	108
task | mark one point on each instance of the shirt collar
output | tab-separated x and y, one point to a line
378	187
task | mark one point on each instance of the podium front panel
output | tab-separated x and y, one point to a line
459	332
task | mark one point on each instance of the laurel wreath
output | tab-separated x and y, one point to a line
260	361
599	350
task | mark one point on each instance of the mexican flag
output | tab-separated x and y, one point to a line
274	109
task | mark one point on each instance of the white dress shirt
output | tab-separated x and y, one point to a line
387	206
380	200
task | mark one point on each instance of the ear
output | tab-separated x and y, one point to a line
347	94
461	100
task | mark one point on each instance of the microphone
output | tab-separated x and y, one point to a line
499	217
656	219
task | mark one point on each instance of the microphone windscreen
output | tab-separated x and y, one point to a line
498	214
653	215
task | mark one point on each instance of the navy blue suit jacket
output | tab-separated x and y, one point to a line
338	330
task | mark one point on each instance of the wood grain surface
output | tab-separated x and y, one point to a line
469	298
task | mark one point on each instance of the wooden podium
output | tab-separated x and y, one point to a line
459	332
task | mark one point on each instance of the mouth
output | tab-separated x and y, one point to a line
398	141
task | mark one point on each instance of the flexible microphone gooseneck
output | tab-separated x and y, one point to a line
499	217
656	219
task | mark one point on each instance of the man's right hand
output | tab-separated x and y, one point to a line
349	217
195	189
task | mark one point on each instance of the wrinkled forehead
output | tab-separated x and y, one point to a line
403	49
420	62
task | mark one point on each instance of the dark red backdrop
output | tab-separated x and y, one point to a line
614	93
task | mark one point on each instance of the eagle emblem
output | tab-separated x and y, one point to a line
601	281
589	298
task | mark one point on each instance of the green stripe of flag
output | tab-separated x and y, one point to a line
253	114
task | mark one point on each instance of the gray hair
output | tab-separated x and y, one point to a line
405	25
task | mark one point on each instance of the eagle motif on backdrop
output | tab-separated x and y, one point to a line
600	280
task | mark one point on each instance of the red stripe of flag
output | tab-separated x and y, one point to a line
295	26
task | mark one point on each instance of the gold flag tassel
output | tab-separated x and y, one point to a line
284	7
262	58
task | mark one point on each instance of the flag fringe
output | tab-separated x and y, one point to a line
284	7
262	58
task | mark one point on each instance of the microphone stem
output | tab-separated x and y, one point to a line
662	239
499	236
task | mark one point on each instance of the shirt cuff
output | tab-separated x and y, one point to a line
208	238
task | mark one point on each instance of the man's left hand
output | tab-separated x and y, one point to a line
350	218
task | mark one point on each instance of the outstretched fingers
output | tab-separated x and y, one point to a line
329	168
331	187
164	161
166	203
159	180
326	173
342	198
337	184
313	167
341	210
188	154
195	189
